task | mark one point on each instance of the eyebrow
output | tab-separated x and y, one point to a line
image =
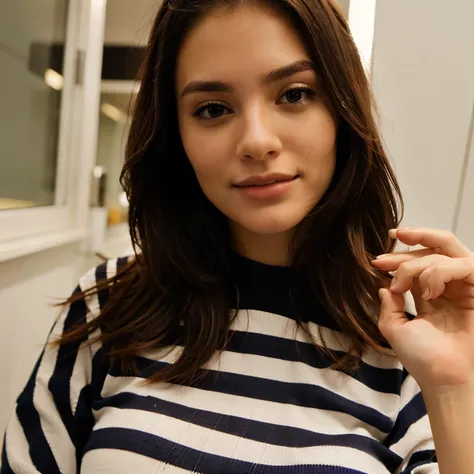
273	76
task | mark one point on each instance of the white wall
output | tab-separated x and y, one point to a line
423	75
465	224
361	17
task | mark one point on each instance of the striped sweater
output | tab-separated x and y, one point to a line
269	403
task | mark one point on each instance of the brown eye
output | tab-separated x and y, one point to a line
215	111
293	96
211	111
297	95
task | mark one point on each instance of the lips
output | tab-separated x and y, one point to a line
265	180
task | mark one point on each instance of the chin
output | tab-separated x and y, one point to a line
268	225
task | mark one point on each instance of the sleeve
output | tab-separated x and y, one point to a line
411	438
52	419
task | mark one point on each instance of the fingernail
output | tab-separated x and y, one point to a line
392	233
393	283
426	294
383	255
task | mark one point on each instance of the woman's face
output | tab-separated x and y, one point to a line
253	119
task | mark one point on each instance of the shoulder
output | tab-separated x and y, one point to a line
95	284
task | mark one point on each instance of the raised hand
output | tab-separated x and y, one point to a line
437	347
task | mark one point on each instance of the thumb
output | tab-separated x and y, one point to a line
392	314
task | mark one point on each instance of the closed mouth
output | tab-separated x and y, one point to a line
264	182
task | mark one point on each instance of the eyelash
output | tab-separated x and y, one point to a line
309	91
197	113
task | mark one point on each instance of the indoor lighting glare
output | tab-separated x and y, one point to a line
111	112
98	171
123	201
53	79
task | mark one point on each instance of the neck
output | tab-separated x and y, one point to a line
270	249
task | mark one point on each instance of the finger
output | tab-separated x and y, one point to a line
406	272
432	238
433	280
389	262
392	314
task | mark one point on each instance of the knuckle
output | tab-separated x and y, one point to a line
404	268
436	269
429	274
435	272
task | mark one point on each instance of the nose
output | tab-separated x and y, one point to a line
258	139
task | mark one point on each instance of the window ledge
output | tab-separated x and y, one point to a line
38	243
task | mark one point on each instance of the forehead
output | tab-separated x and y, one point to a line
243	40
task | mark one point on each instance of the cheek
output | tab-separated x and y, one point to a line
202	150
319	148
205	153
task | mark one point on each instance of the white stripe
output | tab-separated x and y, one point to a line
17	448
92	301
111	267
82	371
418	436
236	447
87	282
51	424
81	375
409	390
429	468
295	372
312	419
432	468
261	322
116	461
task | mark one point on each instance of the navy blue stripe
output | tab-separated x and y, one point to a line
101	275
121	262
300	394
83	422
268	433
420	458
193	460
410	414
5	468
100	370
39	449
59	383
381	380
376	378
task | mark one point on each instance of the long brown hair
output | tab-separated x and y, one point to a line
177	290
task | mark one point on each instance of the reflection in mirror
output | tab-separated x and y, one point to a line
32	40
114	121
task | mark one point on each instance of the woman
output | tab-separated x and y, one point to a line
247	333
